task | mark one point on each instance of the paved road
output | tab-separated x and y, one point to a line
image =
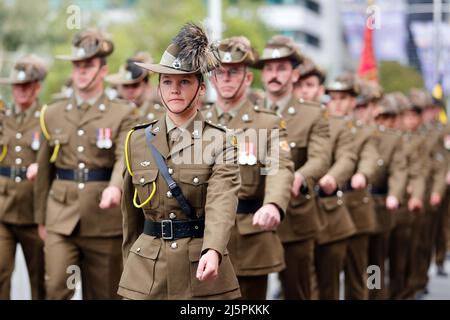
439	288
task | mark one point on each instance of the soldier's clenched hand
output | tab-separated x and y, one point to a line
42	232
267	217
328	184
414	204
208	266
359	181
435	199
110	197
298	181
32	171
392	203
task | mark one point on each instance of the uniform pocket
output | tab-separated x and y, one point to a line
58	139
56	203
139	270
225	282
193	185
329	204
143	181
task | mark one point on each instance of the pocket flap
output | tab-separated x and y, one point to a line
146	247
58	193
330	203
194	177
143	177
61	138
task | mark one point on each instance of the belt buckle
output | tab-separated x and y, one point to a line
164	224
82	175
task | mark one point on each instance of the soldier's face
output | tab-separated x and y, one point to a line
279	76
84	72
309	88
389	121
363	113
232	80
178	91
411	120
25	94
135	92
430	114
341	103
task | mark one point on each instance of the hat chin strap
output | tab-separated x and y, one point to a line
86	87
236	91
187	107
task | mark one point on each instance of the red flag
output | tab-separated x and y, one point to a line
368	63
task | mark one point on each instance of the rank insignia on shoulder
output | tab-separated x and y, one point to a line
283	124
233	140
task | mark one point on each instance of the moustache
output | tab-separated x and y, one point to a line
275	81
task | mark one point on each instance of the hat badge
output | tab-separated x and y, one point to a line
276	54
21	75
128	75
227	57
81	52
176	64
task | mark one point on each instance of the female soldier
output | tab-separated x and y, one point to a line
180	187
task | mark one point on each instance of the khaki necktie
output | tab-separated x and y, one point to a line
174	135
225	118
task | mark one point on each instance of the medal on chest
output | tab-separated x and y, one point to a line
104	138
247	154
35	143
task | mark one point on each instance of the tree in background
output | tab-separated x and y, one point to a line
397	77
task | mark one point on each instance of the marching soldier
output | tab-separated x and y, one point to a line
434	190
415	153
180	188
133	85
308	136
339	227
78	187
19	136
387	187
255	248
358	200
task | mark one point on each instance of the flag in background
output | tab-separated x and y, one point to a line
368	63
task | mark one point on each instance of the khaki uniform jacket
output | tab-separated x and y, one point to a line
166	269
309	138
261	253
391	175
415	150
337	220
150	110
437	159
19	142
61	204
360	203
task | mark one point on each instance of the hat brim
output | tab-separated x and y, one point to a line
161	69
74	58
8	81
118	79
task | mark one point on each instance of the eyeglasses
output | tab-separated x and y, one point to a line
232	73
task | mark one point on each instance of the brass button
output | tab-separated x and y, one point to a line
80	132
170	170
81	186
174	245
138	250
142	180
18	161
17	179
172	215
380	162
102	107
80	148
18	135
292	144
81	165
339	193
196	180
340	202
366	200
169	194
17	148
308	197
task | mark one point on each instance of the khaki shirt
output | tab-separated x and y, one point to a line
61	204
208	175
19	142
